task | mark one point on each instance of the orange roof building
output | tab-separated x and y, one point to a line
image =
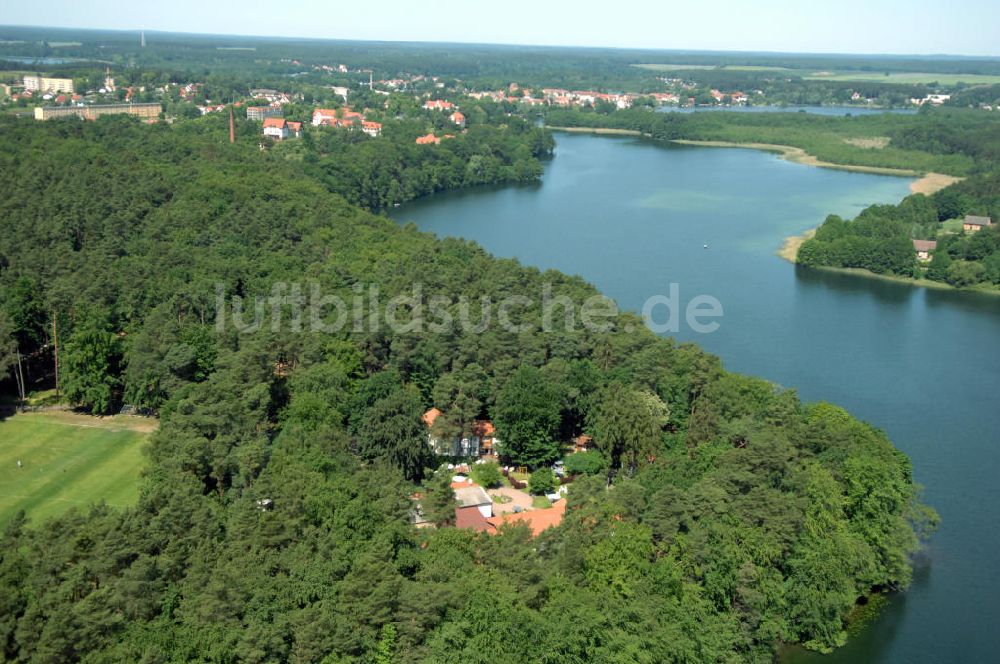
429	139
430	416
537	520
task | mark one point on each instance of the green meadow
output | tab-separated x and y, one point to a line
900	77
679	67
911	78
68	460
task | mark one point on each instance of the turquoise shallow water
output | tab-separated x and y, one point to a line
633	217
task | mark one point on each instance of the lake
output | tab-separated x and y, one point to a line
633	217
815	110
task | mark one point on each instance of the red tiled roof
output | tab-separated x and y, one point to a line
295	126
433	413
278	123
538	520
483	428
425	140
472	518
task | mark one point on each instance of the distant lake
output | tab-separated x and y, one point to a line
632	217
30	60
816	110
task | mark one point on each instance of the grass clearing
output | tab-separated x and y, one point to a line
911	78
682	67
873	143
540	502
69	460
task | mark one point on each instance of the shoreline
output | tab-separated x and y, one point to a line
607	131
800	156
924	183
927	184
790	246
916	283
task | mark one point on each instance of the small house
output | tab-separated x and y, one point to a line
474	496
974	224
438	105
481	440
458	118
373	129
924	249
276	128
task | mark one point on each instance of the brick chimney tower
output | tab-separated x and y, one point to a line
232	126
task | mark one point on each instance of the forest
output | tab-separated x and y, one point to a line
724	517
880	238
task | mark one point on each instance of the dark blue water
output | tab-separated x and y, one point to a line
632	217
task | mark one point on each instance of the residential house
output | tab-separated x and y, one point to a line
344	117
537	520
438	105
429	139
471	518
486	433
481	440
583	443
276	128
324	116
924	249
974	224
373	129
473	496
280	129
458	118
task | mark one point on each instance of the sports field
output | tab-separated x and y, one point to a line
69	460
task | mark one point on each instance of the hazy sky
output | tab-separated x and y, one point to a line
961	27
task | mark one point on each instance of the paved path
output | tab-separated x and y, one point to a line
517	498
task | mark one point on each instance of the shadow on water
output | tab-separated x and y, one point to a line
884	290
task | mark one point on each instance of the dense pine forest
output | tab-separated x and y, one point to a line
734	519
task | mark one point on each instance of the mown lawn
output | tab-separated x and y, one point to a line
68	460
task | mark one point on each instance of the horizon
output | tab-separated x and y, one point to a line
893	28
426	42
